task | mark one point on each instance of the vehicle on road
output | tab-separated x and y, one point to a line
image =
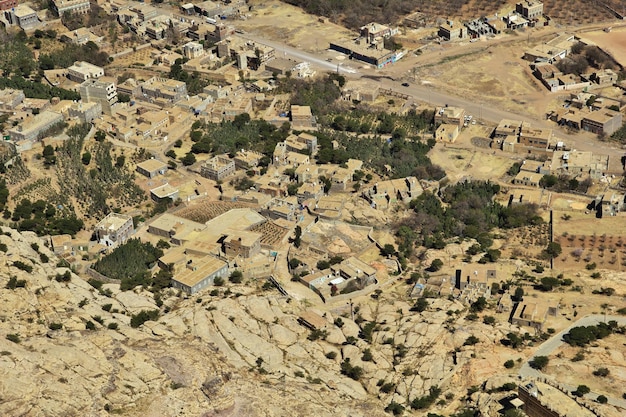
405	84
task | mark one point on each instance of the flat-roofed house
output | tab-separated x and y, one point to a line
83	71
301	117
218	167
242	243
163	192
151	168
35	128
175	228
200	274
114	229
450	115
602	122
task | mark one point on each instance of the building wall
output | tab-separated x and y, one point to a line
533	407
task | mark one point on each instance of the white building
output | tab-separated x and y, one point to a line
83	71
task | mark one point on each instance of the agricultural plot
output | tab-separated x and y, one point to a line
204	211
590	242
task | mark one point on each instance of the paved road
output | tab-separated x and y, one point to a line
282	50
556	341
482	111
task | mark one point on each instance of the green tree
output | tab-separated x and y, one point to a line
236	277
581	391
86	158
539	362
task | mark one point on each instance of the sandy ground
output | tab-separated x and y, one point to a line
613	42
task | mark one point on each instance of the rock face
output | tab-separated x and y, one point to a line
62	354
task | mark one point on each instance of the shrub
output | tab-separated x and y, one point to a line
601	372
470	341
581	391
23	266
113	326
14	283
395	408
13	337
602	399
143	316
388	387
236	277
55	326
347	369
331	355
107	307
367	355
489	320
509	364
539	362
218	281
89	325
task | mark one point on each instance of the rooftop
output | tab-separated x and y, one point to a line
164	191
113	221
151	165
198	271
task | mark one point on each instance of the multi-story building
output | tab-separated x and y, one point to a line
602	122
218	168
114	229
23	16
85	112
164	88
60	7
247	159
375	31
144	11
36	127
10	99
193	50
303	143
450	115
242	243
83	71
301	117
530	9
97	91
450	32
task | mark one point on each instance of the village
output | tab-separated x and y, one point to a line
188	151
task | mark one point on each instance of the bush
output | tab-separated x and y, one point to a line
113	326
218	281
539	362
395	408
367	355
14	283
388	387
601	372
331	355
581	391
509	364
236	277
143	316
347	369
55	326
23	266
470	341
489	320
602	399
13	337
89	325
